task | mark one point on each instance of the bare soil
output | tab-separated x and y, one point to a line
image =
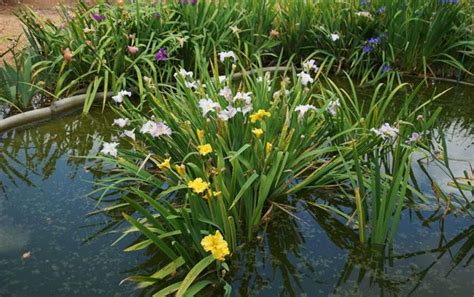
11	29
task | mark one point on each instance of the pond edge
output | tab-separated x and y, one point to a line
66	105
69	104
57	108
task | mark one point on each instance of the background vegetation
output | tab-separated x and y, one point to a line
112	46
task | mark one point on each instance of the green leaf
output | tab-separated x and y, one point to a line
244	189
169	269
239	152
193	274
168	290
148	233
196	288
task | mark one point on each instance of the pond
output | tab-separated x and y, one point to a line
43	214
50	245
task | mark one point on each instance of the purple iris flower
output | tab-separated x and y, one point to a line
449	1
367	49
161	55
414	138
375	40
386	68
192	2
364	2
157	15
98	17
380	10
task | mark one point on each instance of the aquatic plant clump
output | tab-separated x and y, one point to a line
206	165
225	118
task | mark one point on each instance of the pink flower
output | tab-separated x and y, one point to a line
132	50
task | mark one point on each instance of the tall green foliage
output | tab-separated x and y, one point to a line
413	36
190	168
17	84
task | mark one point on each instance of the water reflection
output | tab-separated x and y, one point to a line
321	256
43	208
33	153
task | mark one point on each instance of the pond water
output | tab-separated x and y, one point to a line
43	208
49	246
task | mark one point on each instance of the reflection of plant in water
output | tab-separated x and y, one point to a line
465	239
457	110
373	264
272	248
36	151
284	240
436	154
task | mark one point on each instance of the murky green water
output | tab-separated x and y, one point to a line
43	210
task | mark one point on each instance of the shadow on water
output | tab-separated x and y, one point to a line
43	210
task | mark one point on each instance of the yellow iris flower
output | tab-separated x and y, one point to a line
200	134
205	149
259	115
268	148
216	245
181	169
165	164
198	185
212	194
258	132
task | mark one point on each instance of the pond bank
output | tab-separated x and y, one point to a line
70	104
57	108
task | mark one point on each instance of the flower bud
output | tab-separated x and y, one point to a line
67	55
132	50
274	34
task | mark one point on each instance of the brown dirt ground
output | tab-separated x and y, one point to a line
10	27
